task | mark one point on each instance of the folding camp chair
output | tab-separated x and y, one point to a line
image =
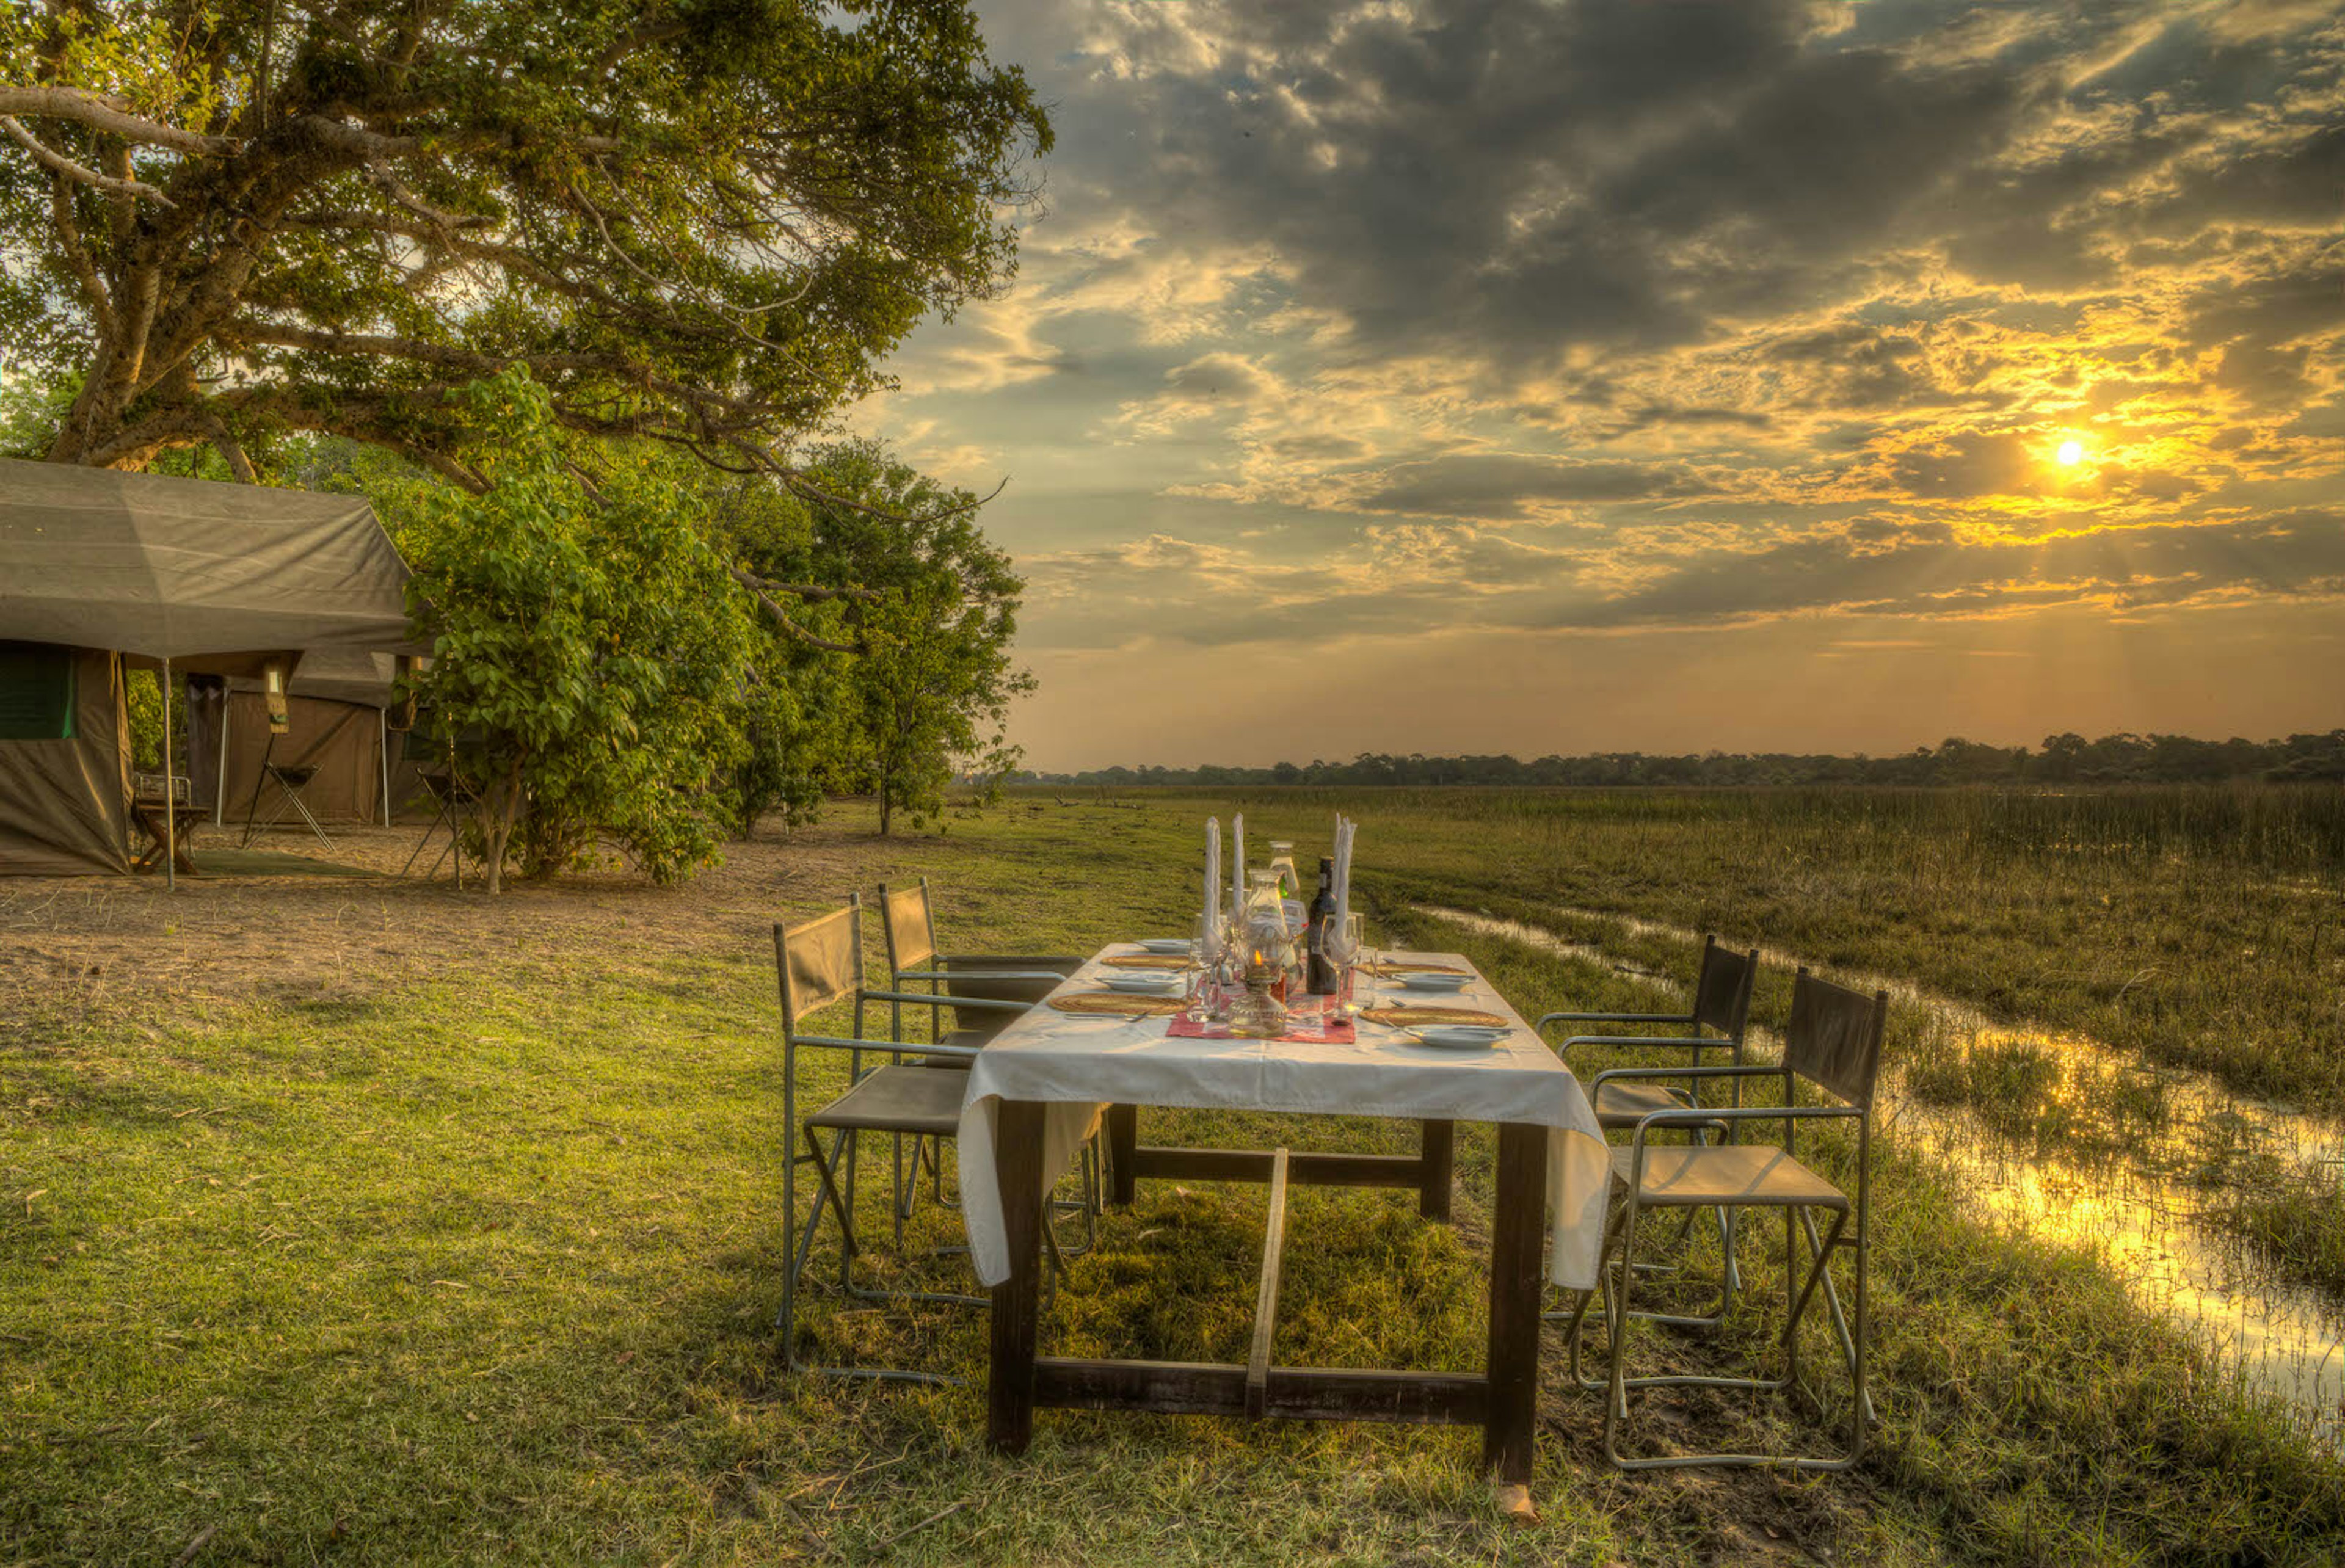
291	781
986	991
1833	1042
909	923
1721	1001
451	797
820	962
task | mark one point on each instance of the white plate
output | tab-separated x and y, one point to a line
1165	944
1458	1037
1432	980
1144	985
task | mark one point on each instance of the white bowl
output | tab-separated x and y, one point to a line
1165	944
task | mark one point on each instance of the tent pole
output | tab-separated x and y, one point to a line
382	718
219	795
170	795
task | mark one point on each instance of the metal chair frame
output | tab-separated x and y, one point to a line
451	800
917	945
1819	1011
1721	1001
288	793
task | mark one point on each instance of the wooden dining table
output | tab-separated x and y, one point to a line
1040	1087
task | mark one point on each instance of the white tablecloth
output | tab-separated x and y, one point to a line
1077	1065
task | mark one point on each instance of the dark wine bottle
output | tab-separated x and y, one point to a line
1323	977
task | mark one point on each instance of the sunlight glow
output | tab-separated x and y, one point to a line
2072	452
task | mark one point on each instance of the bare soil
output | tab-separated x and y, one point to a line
93	948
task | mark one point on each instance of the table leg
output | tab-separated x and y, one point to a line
1016	1301
1122	1137
1517	1222
1437	1146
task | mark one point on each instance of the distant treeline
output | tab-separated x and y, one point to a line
2062	759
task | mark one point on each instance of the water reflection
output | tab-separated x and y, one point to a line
2070	1139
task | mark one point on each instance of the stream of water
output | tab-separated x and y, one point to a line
2135	1206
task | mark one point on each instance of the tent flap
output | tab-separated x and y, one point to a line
65	805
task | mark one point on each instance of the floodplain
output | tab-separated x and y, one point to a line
358	1219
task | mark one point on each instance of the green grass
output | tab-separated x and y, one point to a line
483	1269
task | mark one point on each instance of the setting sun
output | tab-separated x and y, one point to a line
2071	453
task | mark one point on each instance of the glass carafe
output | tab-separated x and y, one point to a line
1282	866
1268	944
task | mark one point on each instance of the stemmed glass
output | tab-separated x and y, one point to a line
1209	940
1344	942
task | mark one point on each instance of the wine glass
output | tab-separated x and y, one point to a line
1339	942
1209	940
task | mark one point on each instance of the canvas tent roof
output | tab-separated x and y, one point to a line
338	674
183	569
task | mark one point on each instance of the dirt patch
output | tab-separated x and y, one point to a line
86	949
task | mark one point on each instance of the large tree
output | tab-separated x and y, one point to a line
698	221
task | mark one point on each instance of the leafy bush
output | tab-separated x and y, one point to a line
589	645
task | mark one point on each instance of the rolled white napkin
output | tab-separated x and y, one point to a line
1237	869
1213	876
1344	828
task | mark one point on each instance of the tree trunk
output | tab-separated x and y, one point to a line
497	828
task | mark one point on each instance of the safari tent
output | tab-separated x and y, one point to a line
340	721
102	571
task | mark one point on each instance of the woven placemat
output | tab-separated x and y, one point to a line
1388	968
1118	1003
1149	961
1403	1018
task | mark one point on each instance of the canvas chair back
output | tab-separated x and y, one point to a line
1834	1038
1722	995
910	929
821	961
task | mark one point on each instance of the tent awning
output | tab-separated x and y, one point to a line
179	568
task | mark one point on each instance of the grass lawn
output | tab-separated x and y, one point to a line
368	1223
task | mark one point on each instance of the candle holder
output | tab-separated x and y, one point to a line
1260	1015
1257	1015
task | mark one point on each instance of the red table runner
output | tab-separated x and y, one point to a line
1308	1022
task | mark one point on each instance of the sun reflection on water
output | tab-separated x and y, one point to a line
2071	1140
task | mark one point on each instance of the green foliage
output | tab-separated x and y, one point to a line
933	606
589	645
706	223
2065	759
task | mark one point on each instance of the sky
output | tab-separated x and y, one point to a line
1568	376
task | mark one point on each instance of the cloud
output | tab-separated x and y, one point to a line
1608	316
1505	485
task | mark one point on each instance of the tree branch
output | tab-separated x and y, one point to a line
80	174
238	463
104	112
70	240
755	585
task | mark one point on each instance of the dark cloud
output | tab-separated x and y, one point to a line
1968	463
1931	571
1500	485
1218	377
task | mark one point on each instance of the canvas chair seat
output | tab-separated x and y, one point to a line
1743	1175
1620	1105
973	1039
906	1099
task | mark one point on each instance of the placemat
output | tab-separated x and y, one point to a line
1401	1018
1117	1004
